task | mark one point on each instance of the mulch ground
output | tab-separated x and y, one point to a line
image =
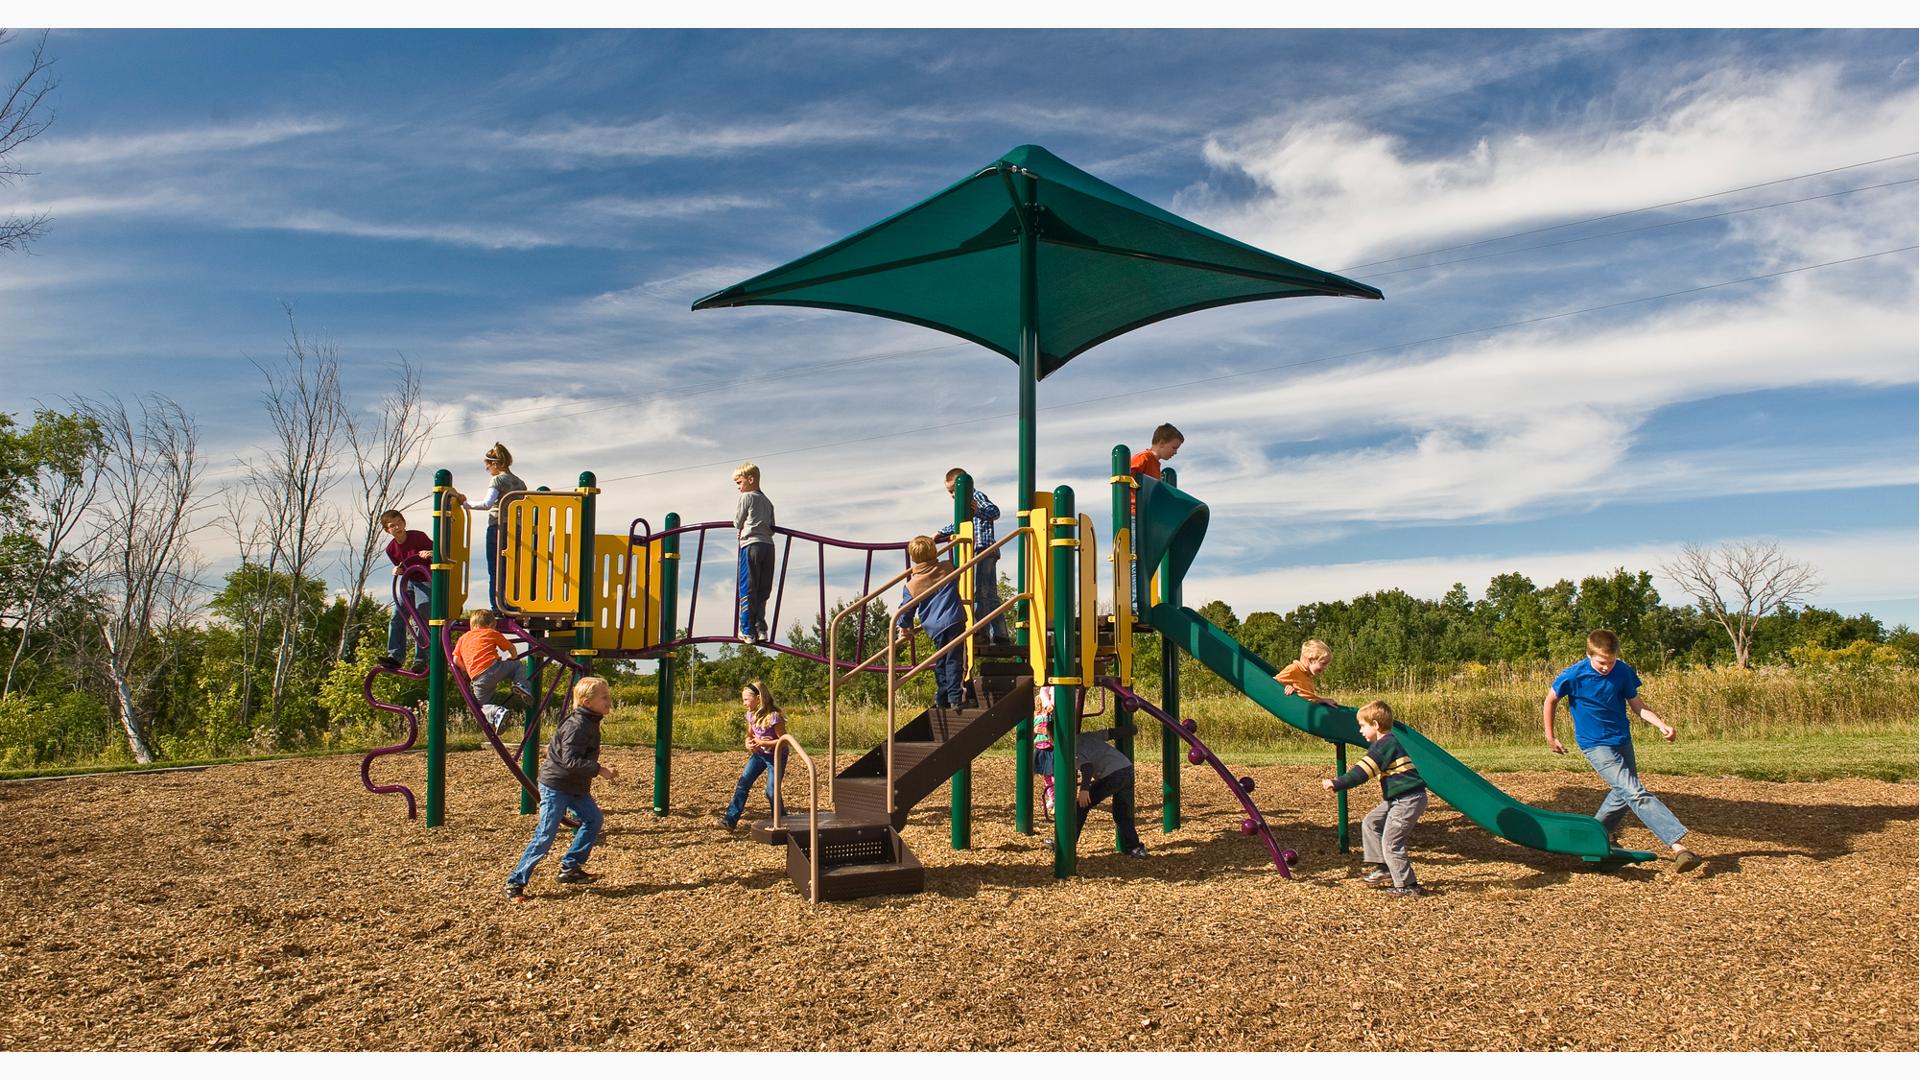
279	906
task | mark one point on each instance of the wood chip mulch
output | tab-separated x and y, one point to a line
278	906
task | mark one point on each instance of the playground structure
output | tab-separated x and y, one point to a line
972	261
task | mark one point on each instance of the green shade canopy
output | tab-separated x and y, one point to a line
1106	263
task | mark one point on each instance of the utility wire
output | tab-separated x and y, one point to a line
1139	390
1625	213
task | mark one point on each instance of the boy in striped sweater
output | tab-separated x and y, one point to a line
1384	831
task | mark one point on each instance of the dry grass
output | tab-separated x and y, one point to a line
276	906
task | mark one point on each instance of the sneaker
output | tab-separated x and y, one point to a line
1408	892
721	820
390	661
1684	860
418	667
574	875
1378	876
1137	851
516	893
1051	846
519	694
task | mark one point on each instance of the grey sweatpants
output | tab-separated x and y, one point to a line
1383	835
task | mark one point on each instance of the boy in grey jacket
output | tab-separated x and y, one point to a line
753	520
566	785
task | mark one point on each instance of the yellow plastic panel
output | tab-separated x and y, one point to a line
626	604
540	533
456	546
1089	599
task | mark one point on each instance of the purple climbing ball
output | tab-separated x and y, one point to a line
1246	784
1290	857
1247	827
1189	726
1195	757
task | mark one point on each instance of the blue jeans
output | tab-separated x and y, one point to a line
553	806
397	626
986	597
1615	766
755	766
493	556
949	688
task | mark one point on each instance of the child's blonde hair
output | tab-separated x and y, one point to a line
748	469
922	549
1603	642
1378	713
1313	648
584	690
765	697
480	617
499	455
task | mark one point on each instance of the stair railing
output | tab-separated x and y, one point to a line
894	676
887	652
813	810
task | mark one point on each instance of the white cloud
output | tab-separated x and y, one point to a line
147	148
1333	192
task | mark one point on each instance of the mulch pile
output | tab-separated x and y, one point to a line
279	906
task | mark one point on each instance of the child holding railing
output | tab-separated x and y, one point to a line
499	463
765	725
941	613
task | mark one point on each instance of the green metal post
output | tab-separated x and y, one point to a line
669	626
1340	799
960	788
1064	659
1122	519
583	622
529	748
437	657
1029	388
1169	691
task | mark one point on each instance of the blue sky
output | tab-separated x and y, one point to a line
528	215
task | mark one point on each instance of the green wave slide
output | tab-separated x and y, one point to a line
1172	524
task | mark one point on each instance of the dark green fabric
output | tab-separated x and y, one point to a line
1107	263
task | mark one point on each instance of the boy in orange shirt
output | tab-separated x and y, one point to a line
1166	443
489	659
1299	677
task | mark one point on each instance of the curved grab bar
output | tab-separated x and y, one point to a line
813	810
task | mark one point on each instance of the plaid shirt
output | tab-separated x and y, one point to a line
984	514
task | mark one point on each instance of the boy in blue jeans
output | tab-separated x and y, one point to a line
1599	692
566	784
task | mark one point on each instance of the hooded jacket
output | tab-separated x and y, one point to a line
573	754
940	613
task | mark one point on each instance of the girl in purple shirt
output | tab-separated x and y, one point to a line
765	725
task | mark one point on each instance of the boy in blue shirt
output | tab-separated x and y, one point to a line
1599	691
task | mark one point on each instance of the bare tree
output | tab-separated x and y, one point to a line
70	452
388	448
141	570
1741	583
294	475
22	118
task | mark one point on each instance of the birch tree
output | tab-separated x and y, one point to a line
141	571
23	116
388	446
1739	584
294	475
66	451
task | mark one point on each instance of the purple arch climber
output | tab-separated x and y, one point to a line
1130	700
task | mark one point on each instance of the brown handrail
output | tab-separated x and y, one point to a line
813	811
833	649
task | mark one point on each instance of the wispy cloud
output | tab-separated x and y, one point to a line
668	137
670	206
153	147
1336	191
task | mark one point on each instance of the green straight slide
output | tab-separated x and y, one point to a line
1173	523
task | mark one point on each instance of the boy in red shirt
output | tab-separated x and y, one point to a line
408	549
489	659
1166	443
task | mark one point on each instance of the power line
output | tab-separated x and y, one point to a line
1139	390
1625	213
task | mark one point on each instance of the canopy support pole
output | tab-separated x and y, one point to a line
1029	383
